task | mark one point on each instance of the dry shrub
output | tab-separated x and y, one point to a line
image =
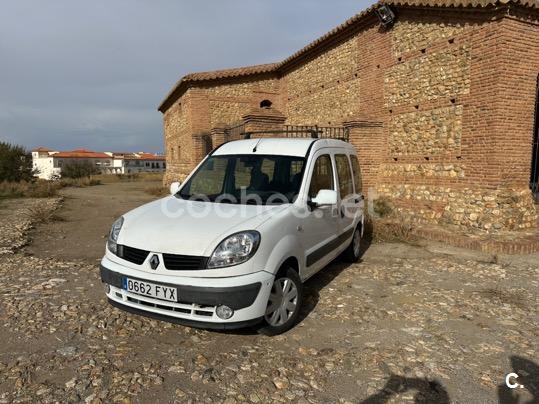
157	191
22	189
382	207
143	177
392	231
80	182
39	213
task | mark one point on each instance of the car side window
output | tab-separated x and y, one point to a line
357	174
322	177
346	186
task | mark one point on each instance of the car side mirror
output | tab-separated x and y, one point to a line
324	197
174	187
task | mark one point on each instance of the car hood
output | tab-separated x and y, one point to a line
176	226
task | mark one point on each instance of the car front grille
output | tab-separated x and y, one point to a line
131	254
175	262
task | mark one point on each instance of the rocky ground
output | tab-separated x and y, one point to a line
406	323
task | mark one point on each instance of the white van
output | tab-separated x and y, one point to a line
234	243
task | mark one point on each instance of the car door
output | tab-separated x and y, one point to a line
349	201
358	201
320	226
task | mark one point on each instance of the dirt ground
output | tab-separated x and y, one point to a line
426	323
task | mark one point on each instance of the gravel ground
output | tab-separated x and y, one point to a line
406	324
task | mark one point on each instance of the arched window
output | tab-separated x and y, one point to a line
265	104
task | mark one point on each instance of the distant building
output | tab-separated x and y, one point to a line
128	163
49	163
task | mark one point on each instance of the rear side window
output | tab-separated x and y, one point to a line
346	186
322	175
357	174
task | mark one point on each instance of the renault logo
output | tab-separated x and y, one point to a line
154	261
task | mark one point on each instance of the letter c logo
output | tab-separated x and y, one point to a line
512	385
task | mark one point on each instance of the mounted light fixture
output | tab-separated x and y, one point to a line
385	15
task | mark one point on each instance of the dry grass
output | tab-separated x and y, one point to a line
157	191
79	182
391	231
144	177
23	189
39	213
42	188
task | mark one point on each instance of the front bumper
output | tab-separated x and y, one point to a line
198	298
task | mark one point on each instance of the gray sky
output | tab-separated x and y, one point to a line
90	74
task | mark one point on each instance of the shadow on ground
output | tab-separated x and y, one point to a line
528	377
427	390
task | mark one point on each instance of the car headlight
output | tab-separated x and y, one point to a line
113	235
235	249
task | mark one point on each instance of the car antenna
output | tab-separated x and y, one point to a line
256	145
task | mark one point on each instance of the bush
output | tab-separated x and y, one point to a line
158	191
79	169
382	207
15	163
79	182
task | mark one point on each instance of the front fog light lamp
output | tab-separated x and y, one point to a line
235	249
224	312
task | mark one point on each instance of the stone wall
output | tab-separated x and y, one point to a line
444	73
426	133
229	102
324	90
487	210
178	142
409	34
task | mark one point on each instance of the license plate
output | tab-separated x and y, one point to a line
150	290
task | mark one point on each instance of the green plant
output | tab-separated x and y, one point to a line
79	169
15	163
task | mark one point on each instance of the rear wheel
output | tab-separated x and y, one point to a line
284	303
353	251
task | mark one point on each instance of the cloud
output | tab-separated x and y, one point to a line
91	74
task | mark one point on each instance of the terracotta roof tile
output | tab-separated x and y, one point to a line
82	153
184	82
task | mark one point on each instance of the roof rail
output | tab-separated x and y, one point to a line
297	131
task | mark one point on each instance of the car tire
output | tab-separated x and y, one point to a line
279	318
353	251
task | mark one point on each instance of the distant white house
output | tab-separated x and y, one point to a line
48	163
129	163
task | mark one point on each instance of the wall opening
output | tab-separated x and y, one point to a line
265	104
208	146
534	180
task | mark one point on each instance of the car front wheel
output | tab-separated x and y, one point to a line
284	302
353	251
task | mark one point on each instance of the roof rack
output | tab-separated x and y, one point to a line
314	132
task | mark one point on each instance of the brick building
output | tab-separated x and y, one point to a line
440	105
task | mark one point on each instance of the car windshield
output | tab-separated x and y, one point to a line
246	179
